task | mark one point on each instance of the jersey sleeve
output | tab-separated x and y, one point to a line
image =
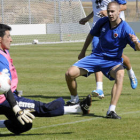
129	30
4	66
121	1
95	31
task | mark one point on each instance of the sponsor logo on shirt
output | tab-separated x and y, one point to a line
26	105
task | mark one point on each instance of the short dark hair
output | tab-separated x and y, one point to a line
113	2
3	28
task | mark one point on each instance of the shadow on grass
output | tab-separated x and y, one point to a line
55	97
66	97
122	94
8	135
93	115
47	97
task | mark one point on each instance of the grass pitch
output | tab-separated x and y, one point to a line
41	71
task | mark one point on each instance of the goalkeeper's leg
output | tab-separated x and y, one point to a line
17	129
13	125
54	108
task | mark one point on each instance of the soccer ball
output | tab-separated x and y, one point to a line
35	41
5	83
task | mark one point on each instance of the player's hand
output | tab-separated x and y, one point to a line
83	21
81	55
103	13
23	115
133	38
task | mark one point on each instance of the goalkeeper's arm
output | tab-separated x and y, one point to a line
22	115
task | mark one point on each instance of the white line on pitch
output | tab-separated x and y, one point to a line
55	125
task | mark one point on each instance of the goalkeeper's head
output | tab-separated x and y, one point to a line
5	37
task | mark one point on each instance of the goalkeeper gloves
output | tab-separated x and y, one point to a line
23	115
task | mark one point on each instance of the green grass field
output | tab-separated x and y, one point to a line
41	71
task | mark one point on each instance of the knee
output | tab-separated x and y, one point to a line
69	75
120	75
17	128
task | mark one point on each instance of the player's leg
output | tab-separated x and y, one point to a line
81	68
71	75
54	108
82	107
99	85
12	124
98	75
17	129
51	109
14	128
117	73
131	74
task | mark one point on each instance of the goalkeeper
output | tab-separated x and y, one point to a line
18	109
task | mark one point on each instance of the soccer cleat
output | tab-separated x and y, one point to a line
98	93
133	82
113	115
70	103
85	104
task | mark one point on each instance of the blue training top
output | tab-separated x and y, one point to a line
4	66
112	41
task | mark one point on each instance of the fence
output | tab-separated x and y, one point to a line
45	20
132	13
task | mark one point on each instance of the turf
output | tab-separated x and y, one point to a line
41	71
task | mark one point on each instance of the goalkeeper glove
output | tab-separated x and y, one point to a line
23	115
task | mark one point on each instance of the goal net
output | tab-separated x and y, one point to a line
48	21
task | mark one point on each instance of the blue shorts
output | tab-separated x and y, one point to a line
93	63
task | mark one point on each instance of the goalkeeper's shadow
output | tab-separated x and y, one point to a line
11	134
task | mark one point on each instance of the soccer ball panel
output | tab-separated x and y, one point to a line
5	83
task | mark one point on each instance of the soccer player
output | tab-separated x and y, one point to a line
22	116
11	103
114	34
99	11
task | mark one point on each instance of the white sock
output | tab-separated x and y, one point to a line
72	109
130	73
74	99
111	108
99	85
2	125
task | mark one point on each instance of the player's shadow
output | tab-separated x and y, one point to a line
47	97
6	135
66	98
93	115
21	135
59	133
11	134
